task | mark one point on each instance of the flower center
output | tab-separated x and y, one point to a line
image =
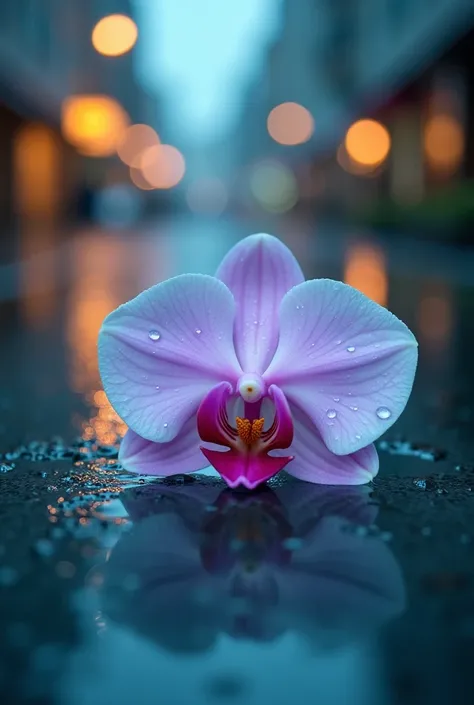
249	431
251	387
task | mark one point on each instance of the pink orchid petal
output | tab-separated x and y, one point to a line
212	423
181	455
280	433
246	470
313	461
346	361
259	271
156	383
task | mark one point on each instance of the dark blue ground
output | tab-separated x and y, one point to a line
115	590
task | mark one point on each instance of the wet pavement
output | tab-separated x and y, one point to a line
114	588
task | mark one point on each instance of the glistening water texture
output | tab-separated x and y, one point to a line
114	588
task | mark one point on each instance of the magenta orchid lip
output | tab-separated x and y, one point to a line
255	370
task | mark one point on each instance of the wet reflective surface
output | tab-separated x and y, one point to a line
115	589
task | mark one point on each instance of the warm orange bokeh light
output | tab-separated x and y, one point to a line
94	124
135	140
162	166
367	142
444	143
36	171
290	124
114	35
365	270
352	167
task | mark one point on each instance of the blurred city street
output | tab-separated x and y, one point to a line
142	140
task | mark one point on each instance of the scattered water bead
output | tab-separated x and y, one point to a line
354	408
351	348
383	413
165	425
154	335
331	413
336	399
198	331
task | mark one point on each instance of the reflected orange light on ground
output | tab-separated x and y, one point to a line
290	124
444	143
162	166
207	195
134	141
367	142
435	316
114	35
365	269
94	124
98	270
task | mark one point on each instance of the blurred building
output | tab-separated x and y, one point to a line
408	64
46	55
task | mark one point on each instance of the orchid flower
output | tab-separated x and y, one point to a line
255	370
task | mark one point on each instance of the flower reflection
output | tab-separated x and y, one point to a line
200	562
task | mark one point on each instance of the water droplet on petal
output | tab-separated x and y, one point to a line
157	388
383	412
358	437
154	335
198	331
336	399
331	413
165	425
354	408
351	348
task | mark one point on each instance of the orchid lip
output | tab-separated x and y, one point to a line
247	461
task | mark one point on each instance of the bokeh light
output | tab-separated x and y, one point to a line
290	124
114	35
355	168
367	142
207	195
94	124
162	166
366	270
135	140
138	180
274	186
444	143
